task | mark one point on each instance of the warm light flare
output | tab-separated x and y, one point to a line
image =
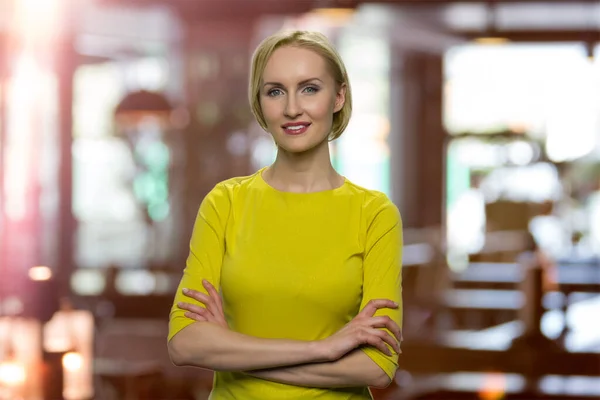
25	89
72	361
40	273
38	20
12	374
494	387
335	15
492	40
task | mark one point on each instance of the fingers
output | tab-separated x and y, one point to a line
196	295
198	313
379	345
379	338
389	339
193	308
212	302
213	310
214	294
375	339
376	304
386	322
195	317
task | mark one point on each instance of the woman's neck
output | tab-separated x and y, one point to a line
306	172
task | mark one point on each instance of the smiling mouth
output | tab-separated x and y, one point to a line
294	130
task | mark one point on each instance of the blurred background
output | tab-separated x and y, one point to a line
479	119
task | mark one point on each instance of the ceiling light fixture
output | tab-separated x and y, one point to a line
491	36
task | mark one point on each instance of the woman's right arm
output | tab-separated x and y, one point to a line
214	347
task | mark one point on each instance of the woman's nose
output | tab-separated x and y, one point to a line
292	108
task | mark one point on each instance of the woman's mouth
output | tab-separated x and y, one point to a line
296	128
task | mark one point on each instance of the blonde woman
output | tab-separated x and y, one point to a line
292	288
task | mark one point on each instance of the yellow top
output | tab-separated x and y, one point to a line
295	266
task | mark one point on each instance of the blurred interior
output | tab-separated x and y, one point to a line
480	120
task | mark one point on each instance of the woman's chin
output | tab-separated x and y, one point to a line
298	145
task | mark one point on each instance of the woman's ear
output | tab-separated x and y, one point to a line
340	98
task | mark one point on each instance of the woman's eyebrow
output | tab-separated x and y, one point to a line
300	83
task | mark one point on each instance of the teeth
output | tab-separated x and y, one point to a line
295	128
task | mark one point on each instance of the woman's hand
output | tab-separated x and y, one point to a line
363	330
214	306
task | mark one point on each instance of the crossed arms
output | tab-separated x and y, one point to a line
333	362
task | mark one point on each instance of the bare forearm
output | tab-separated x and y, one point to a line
213	347
352	370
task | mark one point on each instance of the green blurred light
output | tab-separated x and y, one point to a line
158	211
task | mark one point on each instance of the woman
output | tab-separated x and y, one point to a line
307	263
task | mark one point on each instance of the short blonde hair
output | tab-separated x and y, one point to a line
309	40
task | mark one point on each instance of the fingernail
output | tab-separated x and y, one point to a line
185	290
204	281
396	304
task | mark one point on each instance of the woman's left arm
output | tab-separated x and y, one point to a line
352	370
382	271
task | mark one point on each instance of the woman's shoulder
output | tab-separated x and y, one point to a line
237	181
370	198
234	184
375	205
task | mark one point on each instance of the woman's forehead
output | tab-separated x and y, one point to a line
294	64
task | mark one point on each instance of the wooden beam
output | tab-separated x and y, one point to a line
537	36
427	358
214	10
231	10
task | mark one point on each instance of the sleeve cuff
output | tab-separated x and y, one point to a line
389	364
176	325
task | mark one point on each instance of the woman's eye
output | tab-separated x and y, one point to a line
311	89
274	92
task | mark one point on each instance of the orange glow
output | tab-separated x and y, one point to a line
72	361
337	16
40	273
72	332
494	387
12	374
492	40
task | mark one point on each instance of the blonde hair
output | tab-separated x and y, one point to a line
316	42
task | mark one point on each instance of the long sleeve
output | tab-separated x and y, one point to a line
382	270
207	247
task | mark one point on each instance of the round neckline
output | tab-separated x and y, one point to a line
262	180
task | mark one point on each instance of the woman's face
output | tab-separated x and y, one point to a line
298	97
